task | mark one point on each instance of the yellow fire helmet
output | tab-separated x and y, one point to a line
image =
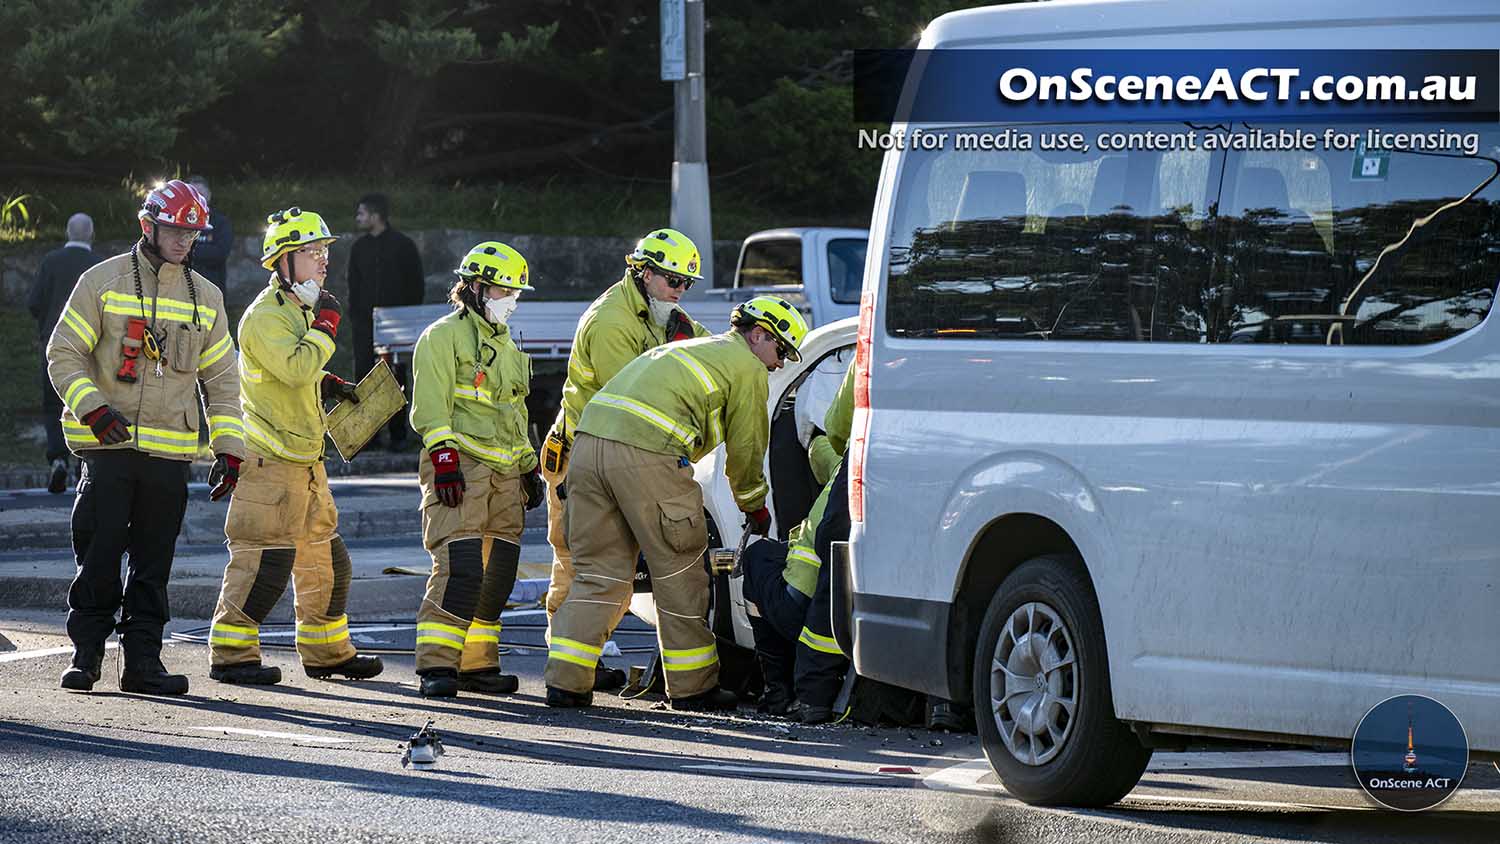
492	262
290	230
670	251
777	316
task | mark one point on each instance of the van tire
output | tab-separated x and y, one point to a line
1050	603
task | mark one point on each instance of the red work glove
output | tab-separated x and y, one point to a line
449	480
759	522
224	475
108	425
679	327
329	314
334	387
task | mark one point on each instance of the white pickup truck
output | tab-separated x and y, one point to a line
817	269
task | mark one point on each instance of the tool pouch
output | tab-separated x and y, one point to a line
130	349
554	454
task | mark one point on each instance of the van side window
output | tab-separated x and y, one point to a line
1254	246
1043	244
1321	249
768	262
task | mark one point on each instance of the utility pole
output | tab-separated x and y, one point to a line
690	205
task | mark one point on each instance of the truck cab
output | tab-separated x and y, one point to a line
818	269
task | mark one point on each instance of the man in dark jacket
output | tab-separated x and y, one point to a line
55	279
384	270
211	252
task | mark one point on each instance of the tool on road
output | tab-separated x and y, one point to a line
353	424
422	749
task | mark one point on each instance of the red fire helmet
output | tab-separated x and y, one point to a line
177	204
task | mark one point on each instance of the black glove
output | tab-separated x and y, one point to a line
334	387
224	475
108	425
534	488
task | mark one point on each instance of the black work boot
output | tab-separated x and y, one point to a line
777	700
713	700
564	699
439	682
152	679
84	673
355	668
246	674
608	679
811	713
490	682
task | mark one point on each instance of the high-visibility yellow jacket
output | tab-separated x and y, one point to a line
825	452
614	331
469	391
685	398
282	360
802	563
86	349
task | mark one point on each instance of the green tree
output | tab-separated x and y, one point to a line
96	84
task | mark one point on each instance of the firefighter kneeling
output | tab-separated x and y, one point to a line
481	473
631	489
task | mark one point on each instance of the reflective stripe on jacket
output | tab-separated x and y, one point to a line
86	351
485	420
685	398
802	563
282	367
614	331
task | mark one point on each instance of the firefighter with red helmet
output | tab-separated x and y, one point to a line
141	343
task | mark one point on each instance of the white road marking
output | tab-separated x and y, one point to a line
41	652
787	773
966	777
242	731
1208	760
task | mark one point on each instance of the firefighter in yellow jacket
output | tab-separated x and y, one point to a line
631	489
469	407
141	337
282	523
637	313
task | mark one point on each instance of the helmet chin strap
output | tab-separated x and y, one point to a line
291	270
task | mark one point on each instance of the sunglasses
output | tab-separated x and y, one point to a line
677	282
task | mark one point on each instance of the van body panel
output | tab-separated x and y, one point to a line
1280	535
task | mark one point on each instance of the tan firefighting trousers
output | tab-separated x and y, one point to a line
562	557
623	500
282	524
475	549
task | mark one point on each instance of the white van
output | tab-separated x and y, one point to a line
1156	444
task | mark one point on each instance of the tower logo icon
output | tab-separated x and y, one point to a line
1388	764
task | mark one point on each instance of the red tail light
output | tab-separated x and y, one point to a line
861	422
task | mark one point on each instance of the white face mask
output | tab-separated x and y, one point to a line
307	291
660	309
499	310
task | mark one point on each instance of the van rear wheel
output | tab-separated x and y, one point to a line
1041	691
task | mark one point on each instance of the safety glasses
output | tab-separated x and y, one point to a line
176	235
317	253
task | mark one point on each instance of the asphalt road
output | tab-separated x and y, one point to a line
319	761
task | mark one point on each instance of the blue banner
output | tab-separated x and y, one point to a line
1005	86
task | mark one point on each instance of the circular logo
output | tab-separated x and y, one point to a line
1409	753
